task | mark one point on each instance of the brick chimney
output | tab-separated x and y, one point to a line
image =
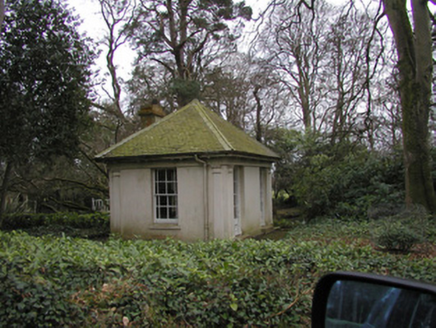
151	113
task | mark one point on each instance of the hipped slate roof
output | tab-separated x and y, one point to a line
193	129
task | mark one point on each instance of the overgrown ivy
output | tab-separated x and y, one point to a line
51	281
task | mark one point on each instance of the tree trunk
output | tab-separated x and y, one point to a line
415	67
2	12
258	111
4	191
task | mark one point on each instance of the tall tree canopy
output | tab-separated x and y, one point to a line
186	36
44	84
327	58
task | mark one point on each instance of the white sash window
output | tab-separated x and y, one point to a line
165	195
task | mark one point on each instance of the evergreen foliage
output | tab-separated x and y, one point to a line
44	81
343	179
402	231
44	86
74	282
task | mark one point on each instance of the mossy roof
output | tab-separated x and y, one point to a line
193	129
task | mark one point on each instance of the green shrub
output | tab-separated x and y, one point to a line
92	226
23	221
403	231
168	283
34	302
395	236
431	231
74	220
343	179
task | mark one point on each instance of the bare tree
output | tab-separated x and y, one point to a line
351	66
291	39
326	57
116	16
245	92
150	81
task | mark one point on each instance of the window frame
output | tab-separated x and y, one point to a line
165	195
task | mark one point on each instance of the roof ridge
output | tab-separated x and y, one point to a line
213	128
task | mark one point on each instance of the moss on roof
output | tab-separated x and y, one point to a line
192	129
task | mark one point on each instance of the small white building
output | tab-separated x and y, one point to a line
191	175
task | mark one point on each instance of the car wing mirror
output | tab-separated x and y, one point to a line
359	300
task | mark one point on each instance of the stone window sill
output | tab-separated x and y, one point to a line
165	226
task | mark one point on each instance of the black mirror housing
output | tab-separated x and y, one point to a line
351	299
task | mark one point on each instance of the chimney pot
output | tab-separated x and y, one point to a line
151	113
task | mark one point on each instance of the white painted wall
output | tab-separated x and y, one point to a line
135	195
132	208
191	203
221	201
251	217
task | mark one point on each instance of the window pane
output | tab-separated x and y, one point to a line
173	213
172	200
171	175
171	188
161	188
160	175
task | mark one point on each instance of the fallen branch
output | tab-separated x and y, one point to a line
297	298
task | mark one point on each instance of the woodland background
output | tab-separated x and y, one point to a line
342	93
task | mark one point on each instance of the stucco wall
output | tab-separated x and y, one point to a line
191	203
132	208
251	217
221	201
133	214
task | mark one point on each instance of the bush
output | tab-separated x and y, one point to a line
74	220
350	186
168	283
342	179
401	232
397	237
94	225
381	211
34	302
